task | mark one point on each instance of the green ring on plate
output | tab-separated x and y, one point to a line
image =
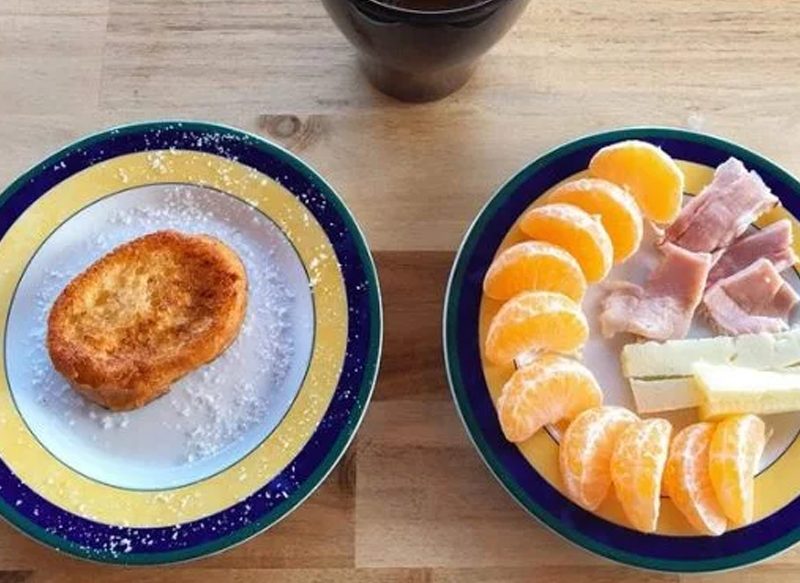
65	531
469	391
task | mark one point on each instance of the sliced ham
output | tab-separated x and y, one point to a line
755	299
723	210
773	242
725	174
663	308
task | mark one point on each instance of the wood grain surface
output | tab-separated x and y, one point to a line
411	501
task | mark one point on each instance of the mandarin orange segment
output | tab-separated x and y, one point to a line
637	467
687	480
547	390
585	453
647	172
544	321
575	230
534	266
734	453
617	210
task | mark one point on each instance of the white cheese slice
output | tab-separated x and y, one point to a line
656	396
768	351
732	390
675	358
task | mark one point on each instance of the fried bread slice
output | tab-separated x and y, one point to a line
146	314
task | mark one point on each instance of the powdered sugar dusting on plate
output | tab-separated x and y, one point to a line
213	408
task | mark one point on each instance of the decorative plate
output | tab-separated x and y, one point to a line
530	472
236	445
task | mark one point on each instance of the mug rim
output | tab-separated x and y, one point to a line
475	6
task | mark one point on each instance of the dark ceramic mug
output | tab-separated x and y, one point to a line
422	55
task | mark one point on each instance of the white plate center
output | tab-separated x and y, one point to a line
212	417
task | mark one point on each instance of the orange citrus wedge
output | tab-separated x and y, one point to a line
534	266
547	390
585	453
647	172
736	448
687	480
616	208
576	231
637	467
545	321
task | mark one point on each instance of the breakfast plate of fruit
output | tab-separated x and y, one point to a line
191	334
622	342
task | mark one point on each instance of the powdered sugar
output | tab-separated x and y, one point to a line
222	409
214	413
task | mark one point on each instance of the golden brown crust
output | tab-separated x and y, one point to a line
149	312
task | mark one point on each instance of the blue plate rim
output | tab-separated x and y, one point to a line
455	382
369	369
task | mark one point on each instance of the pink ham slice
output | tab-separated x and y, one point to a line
773	242
755	299
726	174
663	308
723	210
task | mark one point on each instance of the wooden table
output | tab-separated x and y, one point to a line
411	501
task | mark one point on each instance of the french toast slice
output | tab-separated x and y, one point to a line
146	314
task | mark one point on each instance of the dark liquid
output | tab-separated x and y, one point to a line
430	5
